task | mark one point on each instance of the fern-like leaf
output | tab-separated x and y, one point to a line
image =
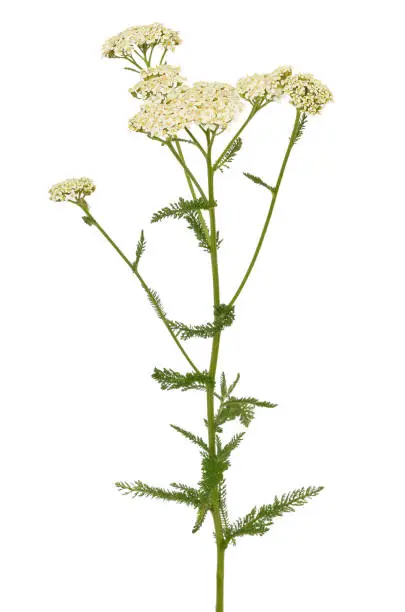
140	249
181	209
259	520
233	385
190	436
187	496
224	388
223	507
224	316
191	492
170	379
301	127
202	512
154	300
258	181
242	408
229	155
225	452
195	225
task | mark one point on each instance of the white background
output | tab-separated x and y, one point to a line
319	328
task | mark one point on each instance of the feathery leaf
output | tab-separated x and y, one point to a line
154	300
224	388
187	496
234	442
140	249
181	209
242	408
258	181
170	379
190	436
300	129
233	385
229	155
259	520
224	316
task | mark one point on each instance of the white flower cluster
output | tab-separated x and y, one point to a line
71	189
213	105
140	37
259	88
210	105
157	82
307	93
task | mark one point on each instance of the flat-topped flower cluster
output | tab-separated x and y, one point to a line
141	38
307	94
158	82
259	88
211	105
73	190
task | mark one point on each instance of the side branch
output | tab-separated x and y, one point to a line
90	220
272	204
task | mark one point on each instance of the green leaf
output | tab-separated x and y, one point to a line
229	155
140	249
201	515
233	385
258	181
224	389
181	209
259	520
170	379
224	316
235	441
195	225
190	436
185	332
191	492
182	495
242	408
88	220
154	300
300	129
223	507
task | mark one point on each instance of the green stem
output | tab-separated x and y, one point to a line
192	191
238	133
220	577
196	142
270	212
186	169
210	391
144	285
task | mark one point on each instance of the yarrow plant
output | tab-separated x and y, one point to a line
181	116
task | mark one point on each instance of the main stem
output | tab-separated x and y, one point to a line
212	372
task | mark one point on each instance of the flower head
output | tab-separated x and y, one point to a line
157	82
210	105
259	88
213	105
307	93
161	118
72	189
140	37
